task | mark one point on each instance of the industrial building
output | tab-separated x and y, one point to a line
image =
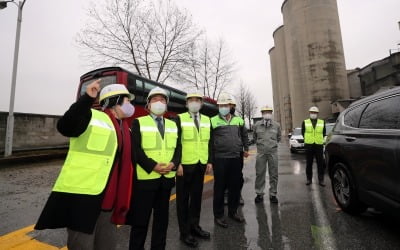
307	61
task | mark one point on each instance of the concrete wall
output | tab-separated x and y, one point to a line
354	83
380	74
315	59
275	86
32	131
282	79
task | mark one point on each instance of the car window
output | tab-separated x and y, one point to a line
296	131
352	117
329	127
382	114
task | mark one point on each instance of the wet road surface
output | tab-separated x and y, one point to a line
305	218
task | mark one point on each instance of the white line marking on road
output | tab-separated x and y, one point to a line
321	232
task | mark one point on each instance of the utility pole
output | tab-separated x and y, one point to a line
10	118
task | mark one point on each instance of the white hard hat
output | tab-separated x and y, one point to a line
225	98
314	109
197	95
115	90
157	91
233	101
266	108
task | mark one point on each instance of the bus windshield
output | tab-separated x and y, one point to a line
106	80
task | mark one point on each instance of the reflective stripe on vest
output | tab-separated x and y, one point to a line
217	121
194	142
156	148
312	135
90	158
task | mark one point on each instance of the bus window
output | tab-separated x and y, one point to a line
139	92
147	87
106	80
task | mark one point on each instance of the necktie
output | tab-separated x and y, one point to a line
196	122
160	126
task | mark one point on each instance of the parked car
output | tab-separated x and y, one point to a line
328	129
363	154
296	141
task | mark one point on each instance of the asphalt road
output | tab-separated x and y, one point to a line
305	218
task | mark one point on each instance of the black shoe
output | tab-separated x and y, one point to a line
189	241
273	199
221	222
321	183
241	201
308	182
259	198
199	232
236	217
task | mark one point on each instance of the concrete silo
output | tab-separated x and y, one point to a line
282	79
314	53
275	87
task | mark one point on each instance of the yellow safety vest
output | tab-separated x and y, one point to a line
90	158
194	142
155	147
312	135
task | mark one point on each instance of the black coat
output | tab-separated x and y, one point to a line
74	211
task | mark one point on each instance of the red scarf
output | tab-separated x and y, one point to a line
118	191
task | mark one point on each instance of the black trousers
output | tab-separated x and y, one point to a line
145	202
227	174
314	150
189	191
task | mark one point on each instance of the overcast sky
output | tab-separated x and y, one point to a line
49	63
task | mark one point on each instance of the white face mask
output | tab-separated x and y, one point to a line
313	116
224	111
267	116
128	109
158	108
194	107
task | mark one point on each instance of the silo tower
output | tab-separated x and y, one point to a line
314	55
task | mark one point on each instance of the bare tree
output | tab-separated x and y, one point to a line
241	100
154	38
211	68
251	107
246	105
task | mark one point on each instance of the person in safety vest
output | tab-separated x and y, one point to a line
229	139
157	153
314	131
267	135
95	182
241	201
194	129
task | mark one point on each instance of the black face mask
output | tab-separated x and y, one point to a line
232	111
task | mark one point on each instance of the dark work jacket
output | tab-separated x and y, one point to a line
229	140
75	211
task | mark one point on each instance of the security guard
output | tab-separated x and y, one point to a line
157	153
194	129
314	131
94	185
229	136
267	135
